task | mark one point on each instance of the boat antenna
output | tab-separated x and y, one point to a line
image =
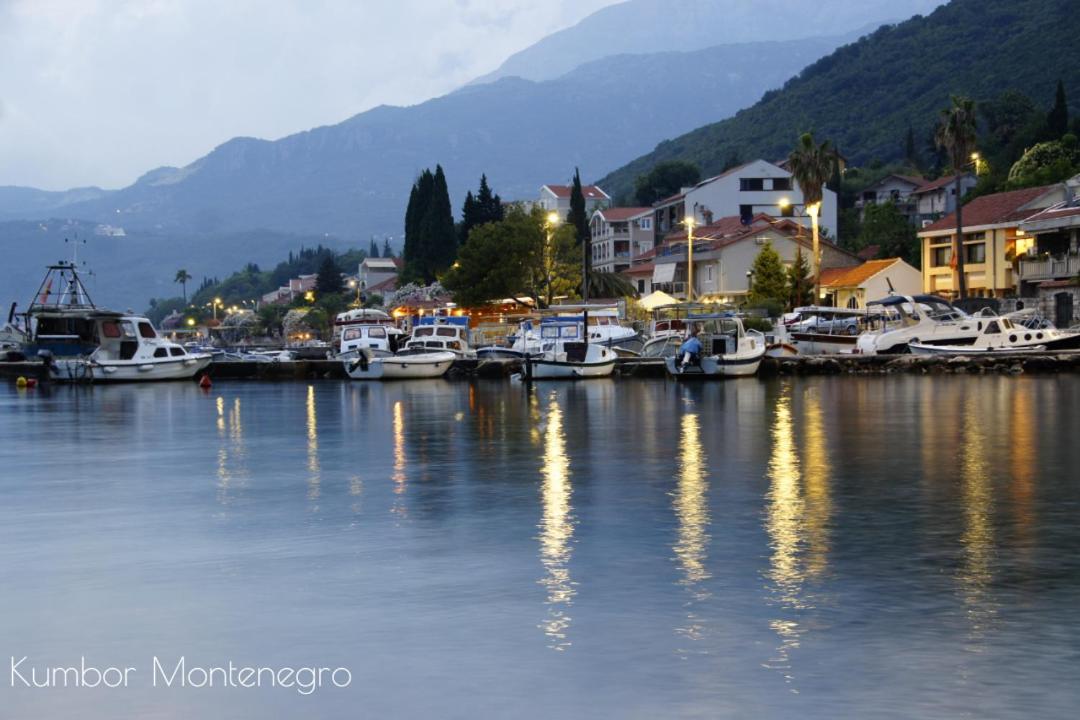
892	290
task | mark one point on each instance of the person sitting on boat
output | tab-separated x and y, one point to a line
691	350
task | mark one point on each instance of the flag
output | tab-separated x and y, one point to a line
46	292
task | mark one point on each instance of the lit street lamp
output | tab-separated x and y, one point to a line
550	222
689	221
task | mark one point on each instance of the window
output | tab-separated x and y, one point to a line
993	329
646	223
146	330
975	253
161	352
176	351
446	332
746	214
940	257
110	329
351	334
853	303
750	184
781	183
376	332
641	286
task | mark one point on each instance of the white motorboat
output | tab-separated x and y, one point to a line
902	319
996	335
441	335
565	355
84	343
407	365
603	324
728	350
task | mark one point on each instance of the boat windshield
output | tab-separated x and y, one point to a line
559	332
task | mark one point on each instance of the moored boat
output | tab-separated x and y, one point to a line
728	350
565	355
406	365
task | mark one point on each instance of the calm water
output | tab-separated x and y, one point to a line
639	549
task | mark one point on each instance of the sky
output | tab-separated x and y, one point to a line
97	92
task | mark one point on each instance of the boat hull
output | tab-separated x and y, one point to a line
718	366
555	370
955	350
409	367
78	370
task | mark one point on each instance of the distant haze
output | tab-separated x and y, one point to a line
96	92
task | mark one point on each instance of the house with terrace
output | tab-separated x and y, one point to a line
618	234
556	198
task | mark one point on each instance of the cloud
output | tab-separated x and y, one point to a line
99	91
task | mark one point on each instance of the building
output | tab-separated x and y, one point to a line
1048	246
937	198
897	189
619	234
854	286
557	198
287	293
375	271
991	229
724	253
758	187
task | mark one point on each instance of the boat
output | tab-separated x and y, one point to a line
565	354
819	330
372	364
902	319
995	335
81	342
604	326
728	349
442	334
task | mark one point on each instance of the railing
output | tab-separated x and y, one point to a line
1050	268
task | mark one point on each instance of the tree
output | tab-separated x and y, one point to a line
182	277
373	249
811	165
800	283
769	282
517	256
387	251
665	179
911	153
610	285
1057	119
430	236
468	218
885	226
956	135
579	220
329	280
1046	163
482	208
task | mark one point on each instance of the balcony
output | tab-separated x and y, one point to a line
1050	267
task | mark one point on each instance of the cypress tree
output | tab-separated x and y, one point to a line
911	154
387	251
1057	120
469	218
580	221
373	251
489	206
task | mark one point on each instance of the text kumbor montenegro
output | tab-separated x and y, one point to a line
177	673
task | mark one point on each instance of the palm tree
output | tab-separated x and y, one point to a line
610	285
182	277
956	135
812	165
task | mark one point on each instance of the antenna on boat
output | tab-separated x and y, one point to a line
892	290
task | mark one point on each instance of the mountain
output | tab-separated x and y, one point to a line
650	26
352	179
864	96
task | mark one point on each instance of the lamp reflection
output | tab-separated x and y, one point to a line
692	511
314	478
556	530
975	574
399	477
231	453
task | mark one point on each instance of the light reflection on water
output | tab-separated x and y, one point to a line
801	547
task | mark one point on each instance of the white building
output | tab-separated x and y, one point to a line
557	198
937	198
745	192
619	234
376	270
853	287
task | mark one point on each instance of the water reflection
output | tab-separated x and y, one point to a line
314	473
399	476
232	454
556	529
799	508
692	511
975	575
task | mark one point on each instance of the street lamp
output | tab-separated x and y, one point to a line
689	222
550	222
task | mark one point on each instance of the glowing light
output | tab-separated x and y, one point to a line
399	449
552	218
975	574
556	530
813	210
692	511
191	322
784	203
689	221
314	481
309	296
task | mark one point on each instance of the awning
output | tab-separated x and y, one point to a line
664	273
657	299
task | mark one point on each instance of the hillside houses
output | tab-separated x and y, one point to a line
921	201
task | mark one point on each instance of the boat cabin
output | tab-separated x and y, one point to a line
454	338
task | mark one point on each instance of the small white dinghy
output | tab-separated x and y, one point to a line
408	365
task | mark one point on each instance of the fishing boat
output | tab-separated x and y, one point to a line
372	364
728	349
566	354
442	334
81	342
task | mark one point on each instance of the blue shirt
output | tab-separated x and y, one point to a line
692	346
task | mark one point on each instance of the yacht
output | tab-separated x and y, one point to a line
926	319
82	342
727	349
566	354
998	335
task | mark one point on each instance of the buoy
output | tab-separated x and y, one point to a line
20	382
205	383
31	383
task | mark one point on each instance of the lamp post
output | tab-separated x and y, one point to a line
749	283
216	303
550	222
689	221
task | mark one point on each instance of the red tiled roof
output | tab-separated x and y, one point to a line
855	276
993	209
387	285
1054	212
642	269
616	214
591	192
934	184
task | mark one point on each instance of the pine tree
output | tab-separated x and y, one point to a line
488	205
469	218
770	281
387	251
373	251
800	284
1057	120
328	280
578	218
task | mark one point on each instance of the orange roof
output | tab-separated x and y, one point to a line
993	209
844	277
935	184
616	214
